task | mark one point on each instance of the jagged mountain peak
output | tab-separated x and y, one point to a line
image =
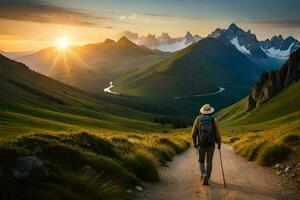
270	84
233	27
246	42
109	41
123	40
188	34
165	35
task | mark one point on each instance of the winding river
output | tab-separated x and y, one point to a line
108	89
221	89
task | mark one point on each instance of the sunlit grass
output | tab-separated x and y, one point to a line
118	161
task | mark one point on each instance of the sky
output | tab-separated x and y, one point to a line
27	25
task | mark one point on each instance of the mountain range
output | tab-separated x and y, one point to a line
163	42
93	66
269	53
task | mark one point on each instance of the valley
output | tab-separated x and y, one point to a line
86	120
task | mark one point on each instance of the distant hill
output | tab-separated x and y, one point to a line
198	69
13	55
32	102
91	67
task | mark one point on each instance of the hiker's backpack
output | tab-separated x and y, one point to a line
206	131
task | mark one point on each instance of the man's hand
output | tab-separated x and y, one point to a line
219	146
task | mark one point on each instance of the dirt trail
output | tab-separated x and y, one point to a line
245	180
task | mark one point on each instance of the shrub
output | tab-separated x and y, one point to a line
143	165
9	152
122	145
93	143
111	168
64	155
165	153
254	149
233	139
94	187
165	141
292	139
273	153
77	186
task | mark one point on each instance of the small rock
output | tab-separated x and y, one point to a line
128	191
279	172
27	166
287	168
276	166
138	188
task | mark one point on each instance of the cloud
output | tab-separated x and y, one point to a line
131	16
295	23
36	11
130	35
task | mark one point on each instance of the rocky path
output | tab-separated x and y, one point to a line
245	180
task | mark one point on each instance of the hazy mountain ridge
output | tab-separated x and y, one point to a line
91	67
163	42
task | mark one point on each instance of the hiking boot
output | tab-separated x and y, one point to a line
205	181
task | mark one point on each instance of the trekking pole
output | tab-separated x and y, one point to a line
222	168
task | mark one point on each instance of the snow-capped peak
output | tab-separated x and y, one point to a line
278	53
243	49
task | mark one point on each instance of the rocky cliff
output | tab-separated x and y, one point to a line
270	84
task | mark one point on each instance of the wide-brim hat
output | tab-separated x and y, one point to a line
207	109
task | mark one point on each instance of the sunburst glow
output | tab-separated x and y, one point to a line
63	43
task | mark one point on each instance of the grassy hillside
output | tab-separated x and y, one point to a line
57	142
197	69
91	67
85	166
267	134
30	101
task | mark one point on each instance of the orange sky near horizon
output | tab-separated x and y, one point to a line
33	25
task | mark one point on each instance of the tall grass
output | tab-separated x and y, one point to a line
75	160
263	147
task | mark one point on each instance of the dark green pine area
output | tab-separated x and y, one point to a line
62	137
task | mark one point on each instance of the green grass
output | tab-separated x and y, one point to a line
267	134
117	161
32	102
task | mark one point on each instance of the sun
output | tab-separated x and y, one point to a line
63	43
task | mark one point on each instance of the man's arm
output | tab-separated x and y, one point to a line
195	131
218	135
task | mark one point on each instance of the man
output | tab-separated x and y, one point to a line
205	134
